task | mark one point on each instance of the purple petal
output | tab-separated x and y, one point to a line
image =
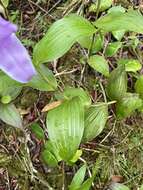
6	28
14	59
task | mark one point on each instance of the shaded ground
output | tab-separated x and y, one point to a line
119	147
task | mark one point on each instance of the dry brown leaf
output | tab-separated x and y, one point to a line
52	106
117	178
23	111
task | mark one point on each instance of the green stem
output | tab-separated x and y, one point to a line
98	8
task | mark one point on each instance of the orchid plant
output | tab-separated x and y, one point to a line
17	70
73	118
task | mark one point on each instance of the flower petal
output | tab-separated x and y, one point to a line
15	61
6	28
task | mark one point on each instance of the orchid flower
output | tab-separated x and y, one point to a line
14	58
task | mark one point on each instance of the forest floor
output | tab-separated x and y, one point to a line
120	146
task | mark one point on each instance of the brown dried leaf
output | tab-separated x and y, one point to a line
117	178
52	106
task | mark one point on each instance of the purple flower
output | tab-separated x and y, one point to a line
14	58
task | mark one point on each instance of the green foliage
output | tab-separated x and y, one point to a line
117	83
95	120
51	148
139	86
76	156
9	87
117	9
104	4
78	178
119	33
131	65
60	38
44	80
119	186
5	3
49	154
10	115
87	184
38	131
65	127
76	120
49	158
99	63
128	21
112	48
70	92
89	42
128	104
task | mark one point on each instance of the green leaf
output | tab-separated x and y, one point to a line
44	80
127	105
112	48
9	87
60	38
104	4
119	186
71	92
119	33
51	148
49	158
99	63
65	127
38	131
133	42
139	86
78	178
10	115
116	9
131	65
95	120
5	3
87	184
141	188
87	41
76	156
117	83
128	21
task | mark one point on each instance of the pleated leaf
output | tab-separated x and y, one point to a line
95	120
139	86
60	38
71	92
44	80
78	178
119	33
49	158
87	184
112	48
119	186
65	127
9	87
117	83
131	65
128	21
104	4
100	64
127	105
